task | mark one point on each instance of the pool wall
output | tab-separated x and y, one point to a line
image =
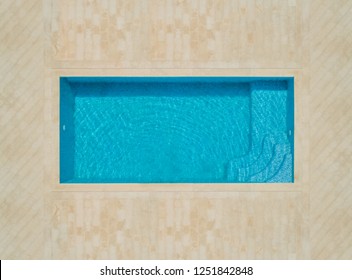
67	133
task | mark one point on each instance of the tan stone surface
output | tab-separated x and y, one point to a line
42	40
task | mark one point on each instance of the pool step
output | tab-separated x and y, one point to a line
260	164
249	159
264	158
284	174
272	168
256	160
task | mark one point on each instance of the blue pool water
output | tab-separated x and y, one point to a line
176	130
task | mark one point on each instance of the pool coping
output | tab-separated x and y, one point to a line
51	170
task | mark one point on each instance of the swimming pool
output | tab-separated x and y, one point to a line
176	129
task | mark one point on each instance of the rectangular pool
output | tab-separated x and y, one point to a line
176	129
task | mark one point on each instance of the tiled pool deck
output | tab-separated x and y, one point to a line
41	219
